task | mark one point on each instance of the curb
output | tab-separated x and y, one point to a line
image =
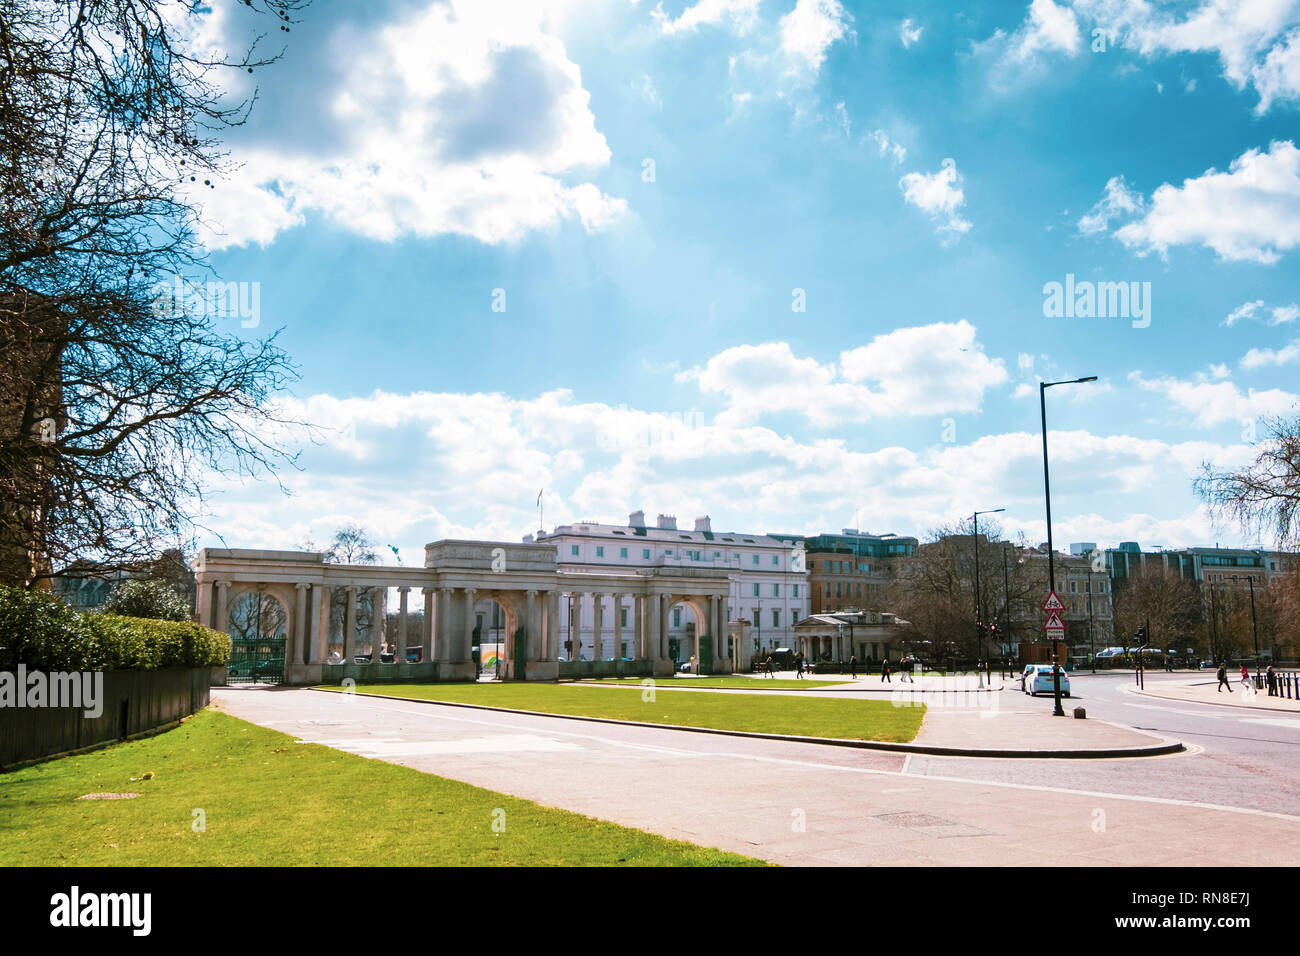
1155	750
1215	703
837	689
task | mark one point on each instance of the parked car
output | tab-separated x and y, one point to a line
684	667
1037	679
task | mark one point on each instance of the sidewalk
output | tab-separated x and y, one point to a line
1201	690
1036	733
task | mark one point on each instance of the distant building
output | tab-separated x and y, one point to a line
768	590
850	570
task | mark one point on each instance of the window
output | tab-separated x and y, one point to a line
622	552
573	550
776	560
776	618
756	559
796	590
826	565
828	589
1074	589
622	617
677	617
839	589
755	590
668	551
600	551
717	554
645	554
776	590
736	555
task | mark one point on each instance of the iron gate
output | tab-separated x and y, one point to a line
259	661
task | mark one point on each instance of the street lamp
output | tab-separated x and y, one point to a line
1058	711
1253	627
979	619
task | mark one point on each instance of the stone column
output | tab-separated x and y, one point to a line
652	608
616	601
399	641
551	649
316	644
665	623
222	622
532	629
426	635
638	627
299	628
464	651
443	620
575	626
203	603
350	624
597	626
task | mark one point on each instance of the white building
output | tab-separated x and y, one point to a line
769	587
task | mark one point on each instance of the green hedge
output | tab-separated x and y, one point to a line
40	631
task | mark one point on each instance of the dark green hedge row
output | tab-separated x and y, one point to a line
42	632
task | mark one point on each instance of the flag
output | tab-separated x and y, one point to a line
539	495
393	549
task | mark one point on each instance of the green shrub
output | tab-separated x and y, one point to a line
40	631
152	599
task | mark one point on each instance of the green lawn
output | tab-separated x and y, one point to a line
770	714
722	682
270	801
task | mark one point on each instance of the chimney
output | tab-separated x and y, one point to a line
702	524
668	522
636	519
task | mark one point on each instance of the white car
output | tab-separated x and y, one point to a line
1037	679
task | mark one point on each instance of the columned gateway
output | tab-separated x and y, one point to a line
336	613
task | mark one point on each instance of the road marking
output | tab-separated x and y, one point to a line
1272	721
379	704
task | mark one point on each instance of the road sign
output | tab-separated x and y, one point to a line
1054	622
1053	603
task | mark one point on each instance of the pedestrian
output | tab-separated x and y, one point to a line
905	670
769	667
1223	678
853	666
1271	680
884	671
798	666
1245	676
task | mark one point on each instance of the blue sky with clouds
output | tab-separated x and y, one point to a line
648	194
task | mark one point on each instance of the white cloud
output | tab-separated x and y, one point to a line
741	13
1048	28
465	118
888	147
939	195
1258	42
926	370
1259	358
1215	403
808	31
1119	201
1277	315
909	33
1250	213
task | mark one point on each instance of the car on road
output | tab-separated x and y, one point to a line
1037	679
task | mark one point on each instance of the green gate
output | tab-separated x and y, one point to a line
705	663
259	661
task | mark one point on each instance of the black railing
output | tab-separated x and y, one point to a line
1285	684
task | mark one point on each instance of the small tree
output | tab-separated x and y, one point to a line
1264	496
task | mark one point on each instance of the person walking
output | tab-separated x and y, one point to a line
1270	679
853	666
1223	678
769	667
884	671
1245	677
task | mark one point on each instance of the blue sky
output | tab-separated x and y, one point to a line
647	193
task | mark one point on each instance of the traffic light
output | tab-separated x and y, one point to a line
1141	634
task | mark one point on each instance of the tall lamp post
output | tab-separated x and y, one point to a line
1253	627
1057	711
979	618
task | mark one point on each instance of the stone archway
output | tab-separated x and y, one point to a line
489	634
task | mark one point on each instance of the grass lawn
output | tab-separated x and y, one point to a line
774	714
269	801
722	682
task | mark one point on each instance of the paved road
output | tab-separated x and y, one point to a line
1241	758
786	802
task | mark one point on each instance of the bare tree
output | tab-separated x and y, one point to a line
1264	496
113	408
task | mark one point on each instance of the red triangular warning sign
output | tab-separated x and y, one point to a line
1053	603
1054	622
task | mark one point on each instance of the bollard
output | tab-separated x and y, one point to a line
1080	713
